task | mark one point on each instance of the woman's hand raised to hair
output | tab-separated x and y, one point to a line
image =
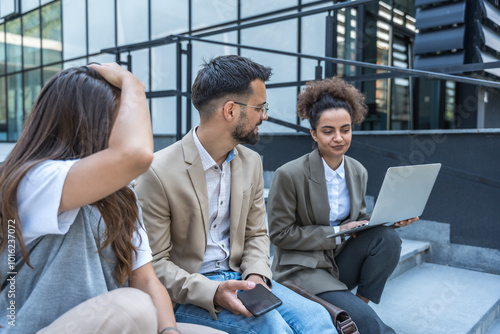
115	74
130	145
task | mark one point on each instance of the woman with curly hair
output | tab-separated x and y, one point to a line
71	237
324	192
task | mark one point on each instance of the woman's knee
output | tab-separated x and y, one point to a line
388	238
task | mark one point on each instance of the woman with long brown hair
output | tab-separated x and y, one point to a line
71	234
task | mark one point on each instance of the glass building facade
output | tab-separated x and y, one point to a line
40	37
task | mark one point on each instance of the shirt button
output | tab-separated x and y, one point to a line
221	202
215	226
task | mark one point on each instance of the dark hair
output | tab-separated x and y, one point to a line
222	76
331	93
71	118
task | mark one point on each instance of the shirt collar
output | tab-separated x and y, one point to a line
206	159
330	173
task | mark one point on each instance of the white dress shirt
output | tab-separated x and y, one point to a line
338	195
218	180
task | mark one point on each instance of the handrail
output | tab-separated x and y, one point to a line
409	72
389	71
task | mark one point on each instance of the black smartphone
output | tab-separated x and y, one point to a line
259	300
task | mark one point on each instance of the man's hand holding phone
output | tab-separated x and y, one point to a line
246	297
226	296
259	300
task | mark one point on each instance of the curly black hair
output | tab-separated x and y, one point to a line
330	93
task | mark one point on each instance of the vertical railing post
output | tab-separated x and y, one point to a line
331	43
129	62
178	94
189	75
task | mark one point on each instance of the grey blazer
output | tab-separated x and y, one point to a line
298	214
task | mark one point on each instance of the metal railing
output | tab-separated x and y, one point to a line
185	39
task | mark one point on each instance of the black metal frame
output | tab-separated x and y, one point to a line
329	59
184	42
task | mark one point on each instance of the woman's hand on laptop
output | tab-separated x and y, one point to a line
353	225
407	222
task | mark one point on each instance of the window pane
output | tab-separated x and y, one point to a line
168	17
282	105
49	71
31	39
101	25
206	51
2	49
278	36
164	115
208	13
103	58
75	63
163	68
27	5
313	42
32	87
15	106
74	28
256	7
400	91
14	52
132	21
7	7
140	66
51	33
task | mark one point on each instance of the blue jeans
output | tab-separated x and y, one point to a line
296	315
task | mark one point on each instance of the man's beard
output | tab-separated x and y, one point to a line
243	136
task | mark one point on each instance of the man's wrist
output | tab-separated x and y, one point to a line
266	280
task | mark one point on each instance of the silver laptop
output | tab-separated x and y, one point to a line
403	195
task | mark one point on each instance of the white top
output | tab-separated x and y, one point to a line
38	198
338	194
218	180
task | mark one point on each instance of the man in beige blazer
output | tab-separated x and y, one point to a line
204	210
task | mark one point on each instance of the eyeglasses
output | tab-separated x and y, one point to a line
264	108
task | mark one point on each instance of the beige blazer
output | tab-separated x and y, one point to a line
174	201
298	212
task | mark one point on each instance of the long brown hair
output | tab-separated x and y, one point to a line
71	118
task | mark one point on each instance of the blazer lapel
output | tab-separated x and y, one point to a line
196	174
354	188
317	189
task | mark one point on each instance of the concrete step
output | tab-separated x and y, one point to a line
412	255
438	299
